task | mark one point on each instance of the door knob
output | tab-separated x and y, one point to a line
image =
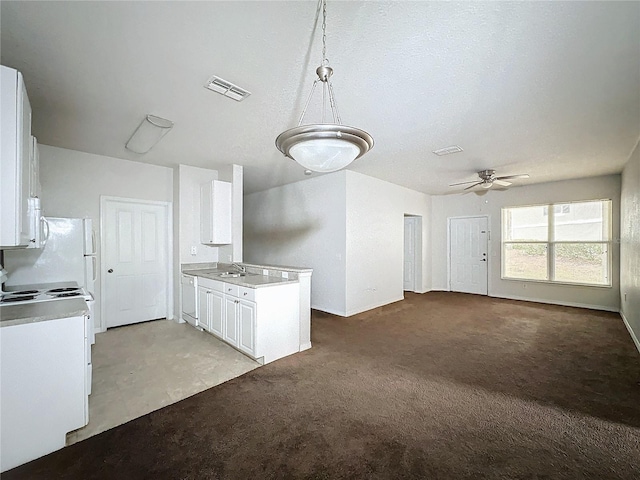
110	270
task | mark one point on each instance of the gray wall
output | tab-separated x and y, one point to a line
630	244
607	187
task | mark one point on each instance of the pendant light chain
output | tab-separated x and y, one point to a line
324	147
324	33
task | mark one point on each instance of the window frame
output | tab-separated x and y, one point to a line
551	243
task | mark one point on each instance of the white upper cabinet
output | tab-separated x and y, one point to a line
34	170
15	160
215	213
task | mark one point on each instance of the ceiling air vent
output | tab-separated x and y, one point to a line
448	150
227	89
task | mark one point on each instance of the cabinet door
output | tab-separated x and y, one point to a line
215	213
15	149
217	314
247	327
231	320
204	307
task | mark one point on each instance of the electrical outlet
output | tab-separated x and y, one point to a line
194	250
265	271
285	274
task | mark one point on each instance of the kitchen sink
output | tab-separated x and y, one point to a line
235	274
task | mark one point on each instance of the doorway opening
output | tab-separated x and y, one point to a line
412	272
468	254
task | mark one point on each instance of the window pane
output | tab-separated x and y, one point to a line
582	263
525	223
526	261
586	221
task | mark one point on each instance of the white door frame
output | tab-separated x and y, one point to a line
417	258
104	199
489	256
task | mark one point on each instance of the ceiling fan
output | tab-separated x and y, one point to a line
488	179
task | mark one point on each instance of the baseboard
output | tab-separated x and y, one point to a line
327	310
305	346
372	306
422	291
554	302
631	332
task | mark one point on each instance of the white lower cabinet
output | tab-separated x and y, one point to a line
217	315
263	322
204	308
43	380
230	320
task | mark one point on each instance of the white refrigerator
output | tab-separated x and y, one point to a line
68	255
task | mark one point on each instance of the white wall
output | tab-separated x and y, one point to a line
302	224
630	244
348	227
444	206
190	179
375	241
72	183
233	252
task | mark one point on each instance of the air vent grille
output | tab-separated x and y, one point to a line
228	89
448	150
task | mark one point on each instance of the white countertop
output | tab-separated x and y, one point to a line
19	314
251	280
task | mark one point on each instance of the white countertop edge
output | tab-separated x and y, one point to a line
282	268
273	281
11	315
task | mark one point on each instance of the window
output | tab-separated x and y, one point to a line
562	243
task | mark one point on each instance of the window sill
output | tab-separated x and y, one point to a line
553	282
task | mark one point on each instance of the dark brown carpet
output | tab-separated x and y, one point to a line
439	386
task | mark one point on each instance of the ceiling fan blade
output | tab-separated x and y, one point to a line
502	183
474	185
462	183
512	177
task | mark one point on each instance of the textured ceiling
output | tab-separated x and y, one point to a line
546	88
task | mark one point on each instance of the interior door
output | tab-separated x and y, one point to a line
468	249
135	259
409	253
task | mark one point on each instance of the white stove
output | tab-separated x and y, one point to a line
43	293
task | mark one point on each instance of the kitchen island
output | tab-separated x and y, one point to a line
261	310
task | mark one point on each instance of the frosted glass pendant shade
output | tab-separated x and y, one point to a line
324	155
324	147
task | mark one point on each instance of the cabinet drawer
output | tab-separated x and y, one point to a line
231	289
247	293
211	284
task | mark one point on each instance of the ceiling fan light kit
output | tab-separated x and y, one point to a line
324	147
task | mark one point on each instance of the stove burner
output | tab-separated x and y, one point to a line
17	298
22	292
63	290
68	294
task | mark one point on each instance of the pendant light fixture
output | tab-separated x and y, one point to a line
324	147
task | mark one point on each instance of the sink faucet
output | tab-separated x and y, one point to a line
241	268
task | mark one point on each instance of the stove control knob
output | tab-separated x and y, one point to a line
110	270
